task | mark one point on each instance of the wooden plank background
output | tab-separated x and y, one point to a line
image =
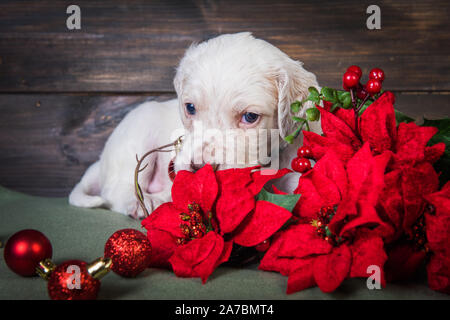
62	92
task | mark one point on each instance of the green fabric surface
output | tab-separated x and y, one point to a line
81	234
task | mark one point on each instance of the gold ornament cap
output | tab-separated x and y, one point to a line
45	268
99	268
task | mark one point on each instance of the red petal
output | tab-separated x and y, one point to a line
320	145
366	181
378	124
438	225
302	277
411	143
439	273
261	224
324	185
337	130
227	248
277	191
302	240
367	250
261	177
166	218
310	201
199	257
346	115
331	269
368	216
390	204
235	200
403	262
270	261
417	182
163	246
332	172
434	153
366	175
200	187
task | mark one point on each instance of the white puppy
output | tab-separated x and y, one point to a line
230	87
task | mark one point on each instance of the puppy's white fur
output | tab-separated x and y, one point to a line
224	78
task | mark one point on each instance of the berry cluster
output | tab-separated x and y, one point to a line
193	226
321	224
352	77
302	163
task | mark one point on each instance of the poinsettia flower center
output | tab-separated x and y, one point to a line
418	234
193	224
324	217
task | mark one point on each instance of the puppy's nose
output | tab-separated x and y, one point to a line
196	166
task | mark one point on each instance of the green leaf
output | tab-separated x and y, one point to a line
401	117
313	91
298	119
443	135
347	102
313	95
334	106
289	139
287	201
295	106
312	114
342	95
329	94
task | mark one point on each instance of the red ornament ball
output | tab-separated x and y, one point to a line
130	252
301	165
263	246
71	281
350	79
304	152
376	74
373	86
355	69
25	249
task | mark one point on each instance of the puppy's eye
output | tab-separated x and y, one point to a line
190	108
249	117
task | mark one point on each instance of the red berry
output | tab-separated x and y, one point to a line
376	74
304	152
301	165
361	92
350	79
355	69
373	86
263	246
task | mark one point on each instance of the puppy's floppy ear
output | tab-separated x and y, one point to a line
293	82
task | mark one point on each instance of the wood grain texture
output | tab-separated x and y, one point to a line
134	46
48	140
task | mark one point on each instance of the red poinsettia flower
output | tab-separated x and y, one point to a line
209	211
377	126
334	239
402	204
438	235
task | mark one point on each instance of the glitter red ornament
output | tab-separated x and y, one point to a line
25	249
74	279
130	252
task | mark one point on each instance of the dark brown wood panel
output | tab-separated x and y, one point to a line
47	141
134	46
